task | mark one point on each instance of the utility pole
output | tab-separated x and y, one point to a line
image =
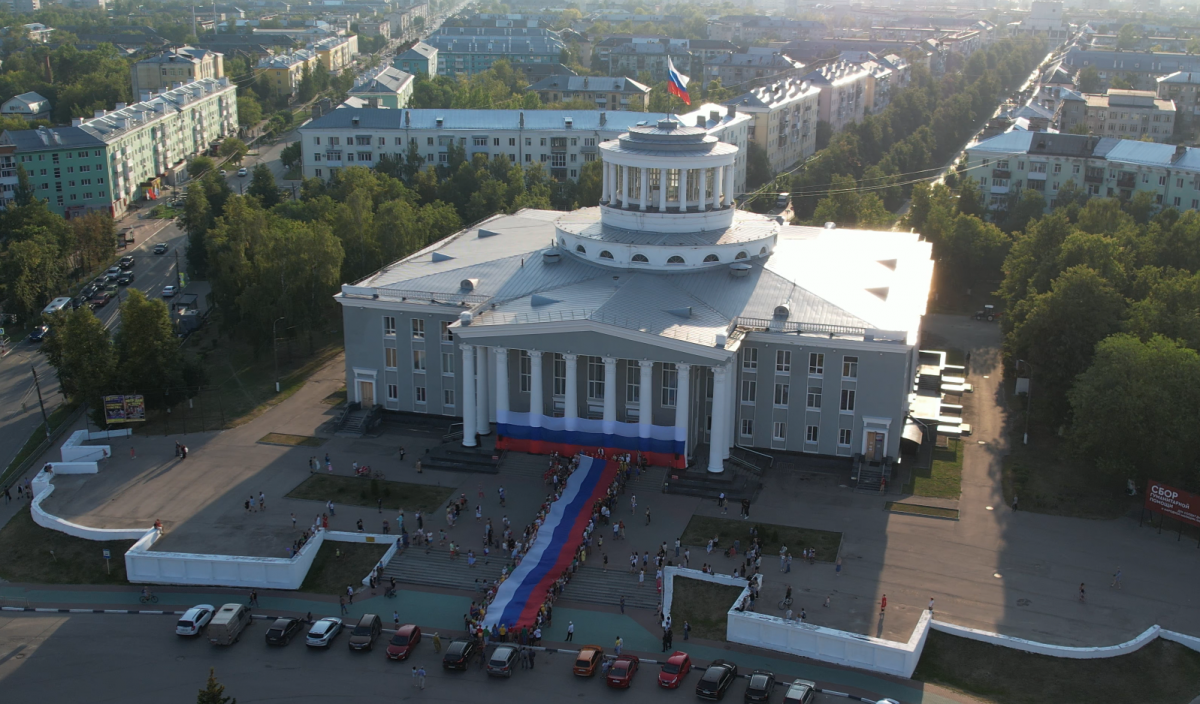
178	273
275	351
38	386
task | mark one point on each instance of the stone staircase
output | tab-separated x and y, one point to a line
592	585
354	424
437	569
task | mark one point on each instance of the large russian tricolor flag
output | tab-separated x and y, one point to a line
521	595
663	446
677	83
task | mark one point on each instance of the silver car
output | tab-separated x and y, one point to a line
323	632
195	619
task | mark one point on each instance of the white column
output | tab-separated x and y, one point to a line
536	404
719	420
716	186
610	394
733	402
571	402
645	397
644	177
729	194
682	403
481	390
662	190
625	187
468	394
607	172
501	384
683	185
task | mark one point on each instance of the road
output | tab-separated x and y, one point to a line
138	658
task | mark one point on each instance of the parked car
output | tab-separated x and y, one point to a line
364	634
100	300
502	661
620	675
804	692
589	658
716	680
242	171
458	655
125	278
126	262
39	333
760	687
160	248
112	273
169	291
223	173
194	619
674	670
403	642
283	630
227	625
322	633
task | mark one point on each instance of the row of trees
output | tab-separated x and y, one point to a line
82	81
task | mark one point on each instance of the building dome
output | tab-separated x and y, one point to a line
667	204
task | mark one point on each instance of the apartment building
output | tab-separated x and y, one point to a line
561	140
741	70
121	156
1010	163
181	65
785	120
381	28
605	92
420	59
336	53
466	51
1180	88
284	71
1142	69
384	88
753	28
1130	113
630	55
843	89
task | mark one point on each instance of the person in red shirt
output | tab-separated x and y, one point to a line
883	604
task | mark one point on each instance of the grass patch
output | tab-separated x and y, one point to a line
165	212
1046	478
331	574
1161	672
704	605
336	397
25	549
943	479
359	491
702	528
295	440
295	173
898	507
57	417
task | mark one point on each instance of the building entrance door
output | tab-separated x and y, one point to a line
876	446
366	393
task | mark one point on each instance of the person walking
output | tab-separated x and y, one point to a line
618	645
837	570
1082	594
677	542
437	642
641	577
329	507
570	631
293	521
350	594
501	492
421	676
633	503
723	503
687	629
622	603
883	605
262	501
253	598
647	515
532	655
396	618
402	453
342	603
687	556
1117	578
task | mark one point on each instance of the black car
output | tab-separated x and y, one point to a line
716	680
160	248
39	333
458	655
283	630
364	634
126	262
125	278
759	689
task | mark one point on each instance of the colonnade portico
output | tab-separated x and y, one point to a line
477	389
714	187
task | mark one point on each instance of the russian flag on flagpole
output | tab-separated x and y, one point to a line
677	83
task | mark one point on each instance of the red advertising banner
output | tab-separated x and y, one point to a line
1173	502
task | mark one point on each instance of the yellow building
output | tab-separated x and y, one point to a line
284	71
336	53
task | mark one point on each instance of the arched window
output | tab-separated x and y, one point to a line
579	248
606	254
741	255
675	260
782	311
762	251
712	258
641	259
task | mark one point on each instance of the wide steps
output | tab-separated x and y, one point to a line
592	585
438	569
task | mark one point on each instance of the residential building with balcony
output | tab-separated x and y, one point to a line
743	70
843	89
284	71
1180	88
785	120
1142	69
184	64
336	53
605	92
420	59
1128	113
385	88
381	28
745	29
466	51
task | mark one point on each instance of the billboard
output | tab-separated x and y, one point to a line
1173	502
124	409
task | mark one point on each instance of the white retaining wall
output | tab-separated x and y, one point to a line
42	488
384	539
74	467
75	448
146	566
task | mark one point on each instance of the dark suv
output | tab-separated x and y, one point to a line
716	680
458	655
364	634
282	631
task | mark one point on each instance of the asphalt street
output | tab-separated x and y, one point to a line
138	658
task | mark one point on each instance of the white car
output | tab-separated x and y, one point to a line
195	619
323	632
224	172
242	171
169	291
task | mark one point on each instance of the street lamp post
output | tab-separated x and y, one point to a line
275	351
1028	398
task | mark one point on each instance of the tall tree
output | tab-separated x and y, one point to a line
33	272
81	352
95	238
197	219
262	186
213	692
148	357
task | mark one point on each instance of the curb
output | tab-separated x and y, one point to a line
921	515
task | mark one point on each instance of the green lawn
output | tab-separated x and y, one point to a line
359	491
702	528
331	574
897	507
294	440
704	605
33	554
1160	673
943	479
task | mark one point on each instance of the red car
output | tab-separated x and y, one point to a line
620	675
403	642
674	670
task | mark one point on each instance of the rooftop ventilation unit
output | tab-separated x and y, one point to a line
831	226
739	270
551	257
782	311
468	284
487	233
439	257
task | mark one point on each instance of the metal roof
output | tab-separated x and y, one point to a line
482	120
50	138
590	83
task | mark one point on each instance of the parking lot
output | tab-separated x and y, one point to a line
138	658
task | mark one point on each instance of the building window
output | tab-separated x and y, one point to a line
389	325
524	371
816	363
849	367
447	336
670	384
560	375
418	329
779	432
847	400
448	397
418	360
811	433
393	392
448	363
595	378
748	427
389	357
781	395
814	397
783	361
419	394
750	359
844	437
749	390
633	385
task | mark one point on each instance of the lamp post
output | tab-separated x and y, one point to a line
275	351
1028	398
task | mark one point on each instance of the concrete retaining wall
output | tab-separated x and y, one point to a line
42	488
346	537
146	566
75	467
75	448
1060	651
